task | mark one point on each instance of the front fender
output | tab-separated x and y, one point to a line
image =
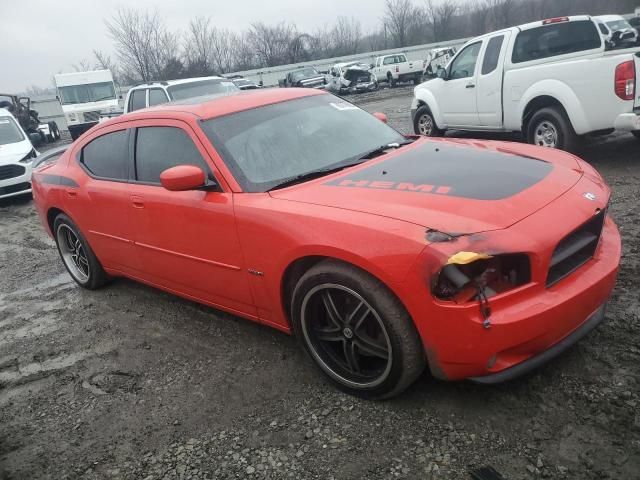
556	89
424	95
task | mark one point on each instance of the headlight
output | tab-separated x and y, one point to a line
30	156
466	277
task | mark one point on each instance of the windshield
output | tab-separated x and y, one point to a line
305	72
90	92
201	88
267	145
9	131
616	25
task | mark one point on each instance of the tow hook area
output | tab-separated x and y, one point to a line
472	276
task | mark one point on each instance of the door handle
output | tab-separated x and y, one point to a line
137	202
470	85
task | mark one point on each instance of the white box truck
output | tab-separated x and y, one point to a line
83	95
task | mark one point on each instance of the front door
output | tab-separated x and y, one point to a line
187	241
457	95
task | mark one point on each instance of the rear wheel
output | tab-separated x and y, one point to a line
390	80
425	124
356	331
550	127
76	254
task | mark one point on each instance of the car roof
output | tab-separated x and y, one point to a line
178	81
609	18
218	105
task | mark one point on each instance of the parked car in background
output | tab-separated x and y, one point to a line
437	58
16	157
307	77
552	80
156	93
617	31
351	77
244	83
37	130
83	95
382	253
396	68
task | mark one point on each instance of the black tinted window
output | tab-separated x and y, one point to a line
492	54
157	96
555	39
108	156
159	148
137	100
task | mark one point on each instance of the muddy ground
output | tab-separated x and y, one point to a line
130	382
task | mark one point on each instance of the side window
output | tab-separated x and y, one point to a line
464	65
401	59
555	39
157	97
108	156
389	60
159	148
603	29
137	100
492	54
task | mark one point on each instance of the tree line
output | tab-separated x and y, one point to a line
146	49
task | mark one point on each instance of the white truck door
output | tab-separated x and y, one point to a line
489	81
457	99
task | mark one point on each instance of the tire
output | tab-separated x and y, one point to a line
422	120
52	134
390	80
550	127
636	134
89	273
56	130
373	350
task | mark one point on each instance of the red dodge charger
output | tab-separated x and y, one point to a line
383	253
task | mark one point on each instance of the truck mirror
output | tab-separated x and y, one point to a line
442	73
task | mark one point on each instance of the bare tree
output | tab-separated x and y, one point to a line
398	18
82	66
439	17
346	35
271	43
144	45
502	12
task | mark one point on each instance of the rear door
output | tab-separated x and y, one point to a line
186	241
489	80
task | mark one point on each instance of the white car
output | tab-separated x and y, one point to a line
616	30
156	93
16	156
552	80
351	77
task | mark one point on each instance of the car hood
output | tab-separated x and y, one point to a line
14	152
453	186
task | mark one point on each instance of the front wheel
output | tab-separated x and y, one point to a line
550	127
356	331
425	124
77	256
390	80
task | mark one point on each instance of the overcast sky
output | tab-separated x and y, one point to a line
44	37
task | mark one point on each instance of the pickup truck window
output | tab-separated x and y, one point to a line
157	97
604	30
401	59
492	54
555	39
138	100
464	64
389	60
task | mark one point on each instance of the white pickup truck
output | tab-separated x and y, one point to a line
552	80
396	68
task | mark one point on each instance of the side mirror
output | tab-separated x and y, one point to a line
381	116
120	97
182	177
442	73
58	97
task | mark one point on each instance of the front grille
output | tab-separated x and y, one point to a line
18	187
576	249
91	116
11	171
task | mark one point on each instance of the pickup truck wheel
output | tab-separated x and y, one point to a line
550	127
390	80
425	124
356	331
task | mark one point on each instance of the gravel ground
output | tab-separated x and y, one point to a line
130	382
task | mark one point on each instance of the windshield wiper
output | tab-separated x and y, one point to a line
313	174
383	148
